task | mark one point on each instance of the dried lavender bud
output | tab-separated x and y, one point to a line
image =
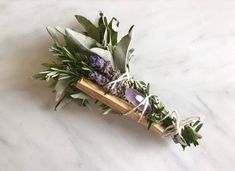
97	62
98	78
106	73
108	69
118	90
116	74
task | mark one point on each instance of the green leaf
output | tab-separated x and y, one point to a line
79	40
107	111
60	87
120	53
61	30
102	28
195	143
196	123
159	109
104	54
128	58
113	30
57	38
80	96
198	127
90	28
62	102
147	88
149	124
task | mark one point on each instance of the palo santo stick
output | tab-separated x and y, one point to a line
114	102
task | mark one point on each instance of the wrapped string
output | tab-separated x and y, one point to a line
170	131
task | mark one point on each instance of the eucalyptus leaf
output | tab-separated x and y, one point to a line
120	53
104	54
90	28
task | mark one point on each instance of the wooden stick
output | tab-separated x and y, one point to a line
114	102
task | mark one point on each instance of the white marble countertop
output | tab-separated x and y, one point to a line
184	48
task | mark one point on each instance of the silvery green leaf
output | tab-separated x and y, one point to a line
104	54
107	111
51	73
64	77
54	33
62	102
103	29
113	31
115	24
90	28
44	72
120	52
60	88
61	30
79	40
79	96
105	38
129	57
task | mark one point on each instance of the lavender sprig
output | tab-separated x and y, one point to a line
104	74
98	78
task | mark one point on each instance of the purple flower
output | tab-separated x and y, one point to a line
97	62
108	68
98	78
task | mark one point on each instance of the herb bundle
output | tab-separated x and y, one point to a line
97	54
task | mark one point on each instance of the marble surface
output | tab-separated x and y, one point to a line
185	48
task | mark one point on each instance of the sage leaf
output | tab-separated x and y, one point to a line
128	58
61	30
107	111
60	88
113	31
90	28
80	96
79	40
120	53
62	103
101	27
56	36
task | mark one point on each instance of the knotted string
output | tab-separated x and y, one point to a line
177	126
125	76
144	102
170	131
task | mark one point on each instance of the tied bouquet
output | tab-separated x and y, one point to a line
93	64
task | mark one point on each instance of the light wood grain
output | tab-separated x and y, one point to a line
114	102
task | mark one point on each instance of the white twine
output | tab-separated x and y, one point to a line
171	130
144	102
177	126
125	76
